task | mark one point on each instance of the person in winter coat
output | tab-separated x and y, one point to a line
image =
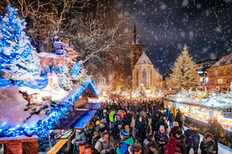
174	129
78	141
160	122
208	146
167	113
140	130
170	148
171	119
192	139
104	144
216	129
181	146
161	138
149	139
152	148
129	116
116	130
89	132
180	118
125	142
111	116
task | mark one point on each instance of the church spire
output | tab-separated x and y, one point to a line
135	34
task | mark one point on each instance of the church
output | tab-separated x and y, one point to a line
143	71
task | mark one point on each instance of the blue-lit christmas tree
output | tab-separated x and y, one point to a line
18	59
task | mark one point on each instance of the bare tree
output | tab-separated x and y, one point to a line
100	36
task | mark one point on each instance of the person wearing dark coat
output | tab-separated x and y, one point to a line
117	126
140	130
192	139
171	119
129	116
167	113
152	148
208	146
181	146
180	118
161	138
216	129
174	129
160	122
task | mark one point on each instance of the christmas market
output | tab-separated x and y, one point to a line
115	77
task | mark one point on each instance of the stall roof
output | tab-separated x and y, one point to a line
81	123
76	120
91	106
55	116
204	104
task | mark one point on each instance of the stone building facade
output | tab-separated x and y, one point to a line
220	74
144	74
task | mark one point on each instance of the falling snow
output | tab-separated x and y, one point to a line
165	26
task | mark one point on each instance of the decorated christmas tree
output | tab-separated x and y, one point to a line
184	72
66	82
18	59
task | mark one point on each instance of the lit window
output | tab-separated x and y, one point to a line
220	81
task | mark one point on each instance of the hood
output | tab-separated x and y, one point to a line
112	112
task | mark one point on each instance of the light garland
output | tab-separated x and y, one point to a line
42	127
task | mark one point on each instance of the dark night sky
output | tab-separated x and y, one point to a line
164	26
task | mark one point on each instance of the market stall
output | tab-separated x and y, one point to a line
203	112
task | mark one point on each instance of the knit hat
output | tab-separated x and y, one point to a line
124	133
97	122
208	135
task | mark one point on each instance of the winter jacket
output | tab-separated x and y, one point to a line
161	138
141	130
167	113
170	148
174	130
116	131
111	116
89	135
207	147
79	140
148	145
171	117
181	146
124	145
192	138
103	146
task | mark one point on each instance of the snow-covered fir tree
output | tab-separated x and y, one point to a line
18	59
184	72
66	81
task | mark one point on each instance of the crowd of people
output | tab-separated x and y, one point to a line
134	127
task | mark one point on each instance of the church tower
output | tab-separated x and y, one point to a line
136	49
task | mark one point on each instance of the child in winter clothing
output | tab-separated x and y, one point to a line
208	146
125	142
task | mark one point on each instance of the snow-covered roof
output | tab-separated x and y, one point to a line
13	116
47	54
143	59
224	61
